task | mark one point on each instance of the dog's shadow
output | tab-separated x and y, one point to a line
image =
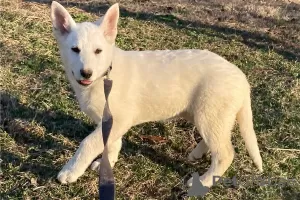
32	142
16	120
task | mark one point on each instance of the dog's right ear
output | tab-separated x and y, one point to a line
61	19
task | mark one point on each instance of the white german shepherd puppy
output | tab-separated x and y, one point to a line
197	85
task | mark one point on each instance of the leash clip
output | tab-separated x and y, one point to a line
108	72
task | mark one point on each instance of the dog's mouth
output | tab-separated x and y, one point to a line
85	82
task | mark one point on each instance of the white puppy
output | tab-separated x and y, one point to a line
197	85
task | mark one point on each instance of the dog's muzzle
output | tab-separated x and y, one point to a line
83	82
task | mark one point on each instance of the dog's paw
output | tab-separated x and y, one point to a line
96	165
189	183
67	175
202	181
192	157
198	152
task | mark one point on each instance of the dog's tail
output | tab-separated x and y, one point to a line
244	118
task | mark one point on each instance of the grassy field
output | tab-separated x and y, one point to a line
41	124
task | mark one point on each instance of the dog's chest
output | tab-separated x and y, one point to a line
92	106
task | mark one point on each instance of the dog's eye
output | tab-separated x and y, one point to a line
97	51
75	49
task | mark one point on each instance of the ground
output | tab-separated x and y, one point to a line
41	125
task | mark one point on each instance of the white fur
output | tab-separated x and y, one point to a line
197	85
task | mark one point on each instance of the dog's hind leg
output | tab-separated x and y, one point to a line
201	147
199	151
215	128
222	156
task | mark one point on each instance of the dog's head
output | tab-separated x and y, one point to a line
86	48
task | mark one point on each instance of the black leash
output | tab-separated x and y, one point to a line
106	176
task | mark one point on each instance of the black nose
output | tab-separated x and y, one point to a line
86	73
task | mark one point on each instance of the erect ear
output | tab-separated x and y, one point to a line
61	19
110	23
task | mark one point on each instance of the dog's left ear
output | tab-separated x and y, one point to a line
110	22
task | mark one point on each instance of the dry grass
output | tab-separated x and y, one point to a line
42	125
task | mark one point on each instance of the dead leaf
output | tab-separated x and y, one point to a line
153	139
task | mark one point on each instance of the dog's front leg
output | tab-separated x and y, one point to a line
113	154
88	150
